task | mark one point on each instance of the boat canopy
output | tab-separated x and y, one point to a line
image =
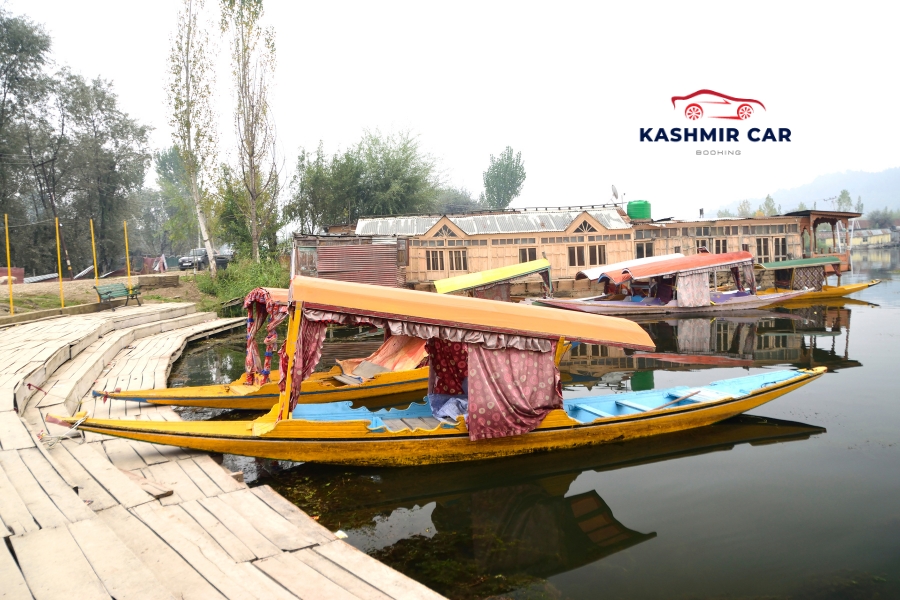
597	272
463	313
800	262
685	265
491	276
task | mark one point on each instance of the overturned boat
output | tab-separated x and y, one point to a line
494	387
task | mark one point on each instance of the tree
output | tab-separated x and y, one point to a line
768	207
181	228
398	177
744	209
844	202
882	218
724	213
859	205
191	116
253	61
503	179
449	200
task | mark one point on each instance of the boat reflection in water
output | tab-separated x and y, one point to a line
802	336
477	529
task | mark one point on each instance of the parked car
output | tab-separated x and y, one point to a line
196	259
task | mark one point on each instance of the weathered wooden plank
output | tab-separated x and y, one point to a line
203	553
61	493
338	574
123	575
89	491
172	476
172	570
241	527
148	452
13	433
229	542
70	575
4	532
218	474
256	578
264	519
123	455
380	576
293	514
29	490
157	490
301	579
126	492
12	582
200	478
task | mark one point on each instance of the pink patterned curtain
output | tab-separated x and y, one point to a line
450	364
693	289
307	355
256	316
510	391
271	340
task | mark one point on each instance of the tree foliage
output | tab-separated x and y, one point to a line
768	208
503	179
724	213
844	202
744	209
882	218
381	175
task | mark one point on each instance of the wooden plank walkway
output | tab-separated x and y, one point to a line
100	517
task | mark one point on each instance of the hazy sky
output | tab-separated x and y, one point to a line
567	84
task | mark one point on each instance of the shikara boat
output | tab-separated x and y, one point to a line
390	375
676	285
514	402
811	275
494	284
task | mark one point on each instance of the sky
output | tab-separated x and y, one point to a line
568	84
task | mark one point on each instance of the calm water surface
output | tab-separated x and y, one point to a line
798	499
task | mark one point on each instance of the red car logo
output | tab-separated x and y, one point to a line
713	105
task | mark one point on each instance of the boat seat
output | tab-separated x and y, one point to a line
411	424
590	409
702	395
633	405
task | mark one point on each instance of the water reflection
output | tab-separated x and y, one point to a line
470	530
801	336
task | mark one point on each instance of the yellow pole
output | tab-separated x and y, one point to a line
290	348
62	298
12	307
94	250
127	257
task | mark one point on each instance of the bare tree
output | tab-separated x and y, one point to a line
253	62
191	117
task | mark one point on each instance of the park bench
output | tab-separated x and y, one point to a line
118	290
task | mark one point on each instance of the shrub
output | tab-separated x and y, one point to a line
242	276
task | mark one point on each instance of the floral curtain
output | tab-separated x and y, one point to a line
693	289
255	303
271	341
306	355
510	390
449	365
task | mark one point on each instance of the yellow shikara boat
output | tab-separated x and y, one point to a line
812	274
519	340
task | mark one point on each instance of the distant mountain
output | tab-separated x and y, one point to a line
878	190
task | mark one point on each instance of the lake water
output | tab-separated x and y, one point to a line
798	499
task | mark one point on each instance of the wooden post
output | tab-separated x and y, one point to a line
294	322
127	256
62	298
12	307
94	251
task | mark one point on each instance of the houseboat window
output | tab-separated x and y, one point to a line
684	232
434	260
781	229
762	250
706	231
746	230
585	226
643	249
721	246
458	260
794	228
639	234
576	256
597	255
494	242
701	244
544	240
781	249
527	254
677	249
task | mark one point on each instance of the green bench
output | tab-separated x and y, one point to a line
118	290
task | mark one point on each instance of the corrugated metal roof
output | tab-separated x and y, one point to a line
530	222
375	264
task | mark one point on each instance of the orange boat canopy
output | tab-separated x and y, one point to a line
460	312
697	263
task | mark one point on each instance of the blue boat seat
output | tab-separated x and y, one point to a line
590	409
634	405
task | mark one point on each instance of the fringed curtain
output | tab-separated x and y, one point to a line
271	341
693	289
255	303
510	390
748	276
306	355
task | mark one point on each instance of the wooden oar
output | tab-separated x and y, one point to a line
677	400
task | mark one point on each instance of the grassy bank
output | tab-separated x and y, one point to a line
238	280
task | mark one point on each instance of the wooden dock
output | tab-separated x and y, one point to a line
98	517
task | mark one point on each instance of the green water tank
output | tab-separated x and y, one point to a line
642	381
639	209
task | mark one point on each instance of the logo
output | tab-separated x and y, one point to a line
708	104
713	105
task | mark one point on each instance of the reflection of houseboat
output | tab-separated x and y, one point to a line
511	517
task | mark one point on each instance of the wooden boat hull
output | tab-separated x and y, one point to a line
636	308
827	291
353	443
382	390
